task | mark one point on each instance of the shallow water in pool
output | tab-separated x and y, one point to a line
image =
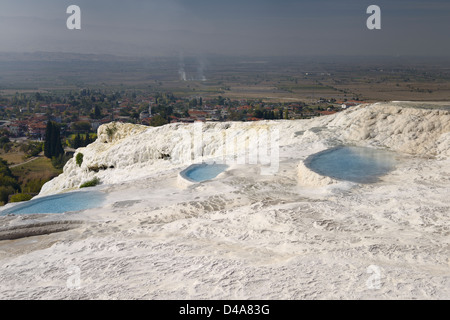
60	203
204	172
355	164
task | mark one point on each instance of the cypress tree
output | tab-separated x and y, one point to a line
48	133
87	140
77	141
52	140
59	150
97	112
52	143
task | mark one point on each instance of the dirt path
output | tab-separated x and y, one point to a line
19	164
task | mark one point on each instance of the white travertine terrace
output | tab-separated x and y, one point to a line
134	151
290	235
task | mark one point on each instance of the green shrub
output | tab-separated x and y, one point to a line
5	191
90	183
111	130
158	121
9	181
32	149
60	161
18	197
97	168
34	185
79	159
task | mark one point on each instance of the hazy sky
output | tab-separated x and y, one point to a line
237	27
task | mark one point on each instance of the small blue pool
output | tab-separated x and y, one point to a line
60	203
355	164
203	172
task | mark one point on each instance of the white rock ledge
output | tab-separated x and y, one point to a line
131	152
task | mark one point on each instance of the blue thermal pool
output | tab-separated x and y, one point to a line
60	203
355	164
203	172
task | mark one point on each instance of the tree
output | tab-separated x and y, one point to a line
48	133
52	143
56	147
19	197
31	149
81	126
87	140
77	141
79	159
8	183
59	162
193	103
7	147
97	113
259	114
158	121
5	191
